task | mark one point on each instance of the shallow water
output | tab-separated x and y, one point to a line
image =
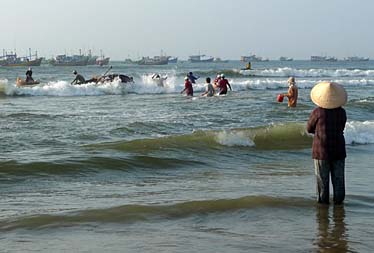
141	168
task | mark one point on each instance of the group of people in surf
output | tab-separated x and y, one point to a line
79	79
221	84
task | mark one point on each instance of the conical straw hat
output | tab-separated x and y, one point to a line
328	95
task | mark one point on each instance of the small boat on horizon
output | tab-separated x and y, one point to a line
253	58
173	60
219	60
283	58
200	58
323	58
356	58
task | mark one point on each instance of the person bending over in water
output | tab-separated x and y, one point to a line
222	85
79	79
187	87
209	92
29	78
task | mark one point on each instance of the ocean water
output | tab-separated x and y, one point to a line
141	168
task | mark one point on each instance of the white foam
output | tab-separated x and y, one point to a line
3	85
269	83
234	139
357	132
63	88
285	72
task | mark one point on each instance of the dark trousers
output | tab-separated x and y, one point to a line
323	169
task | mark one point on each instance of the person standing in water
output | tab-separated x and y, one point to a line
29	78
222	85
293	92
192	78
187	87
209	92
327	123
248	66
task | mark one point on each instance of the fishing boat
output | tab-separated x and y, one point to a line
65	60
283	58
200	58
219	60
102	60
173	60
253	58
156	60
323	58
22	83
12	60
91	58
356	58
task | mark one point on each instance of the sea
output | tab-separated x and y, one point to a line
140	168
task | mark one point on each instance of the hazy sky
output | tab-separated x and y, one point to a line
221	28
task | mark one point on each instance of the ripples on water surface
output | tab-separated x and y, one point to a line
140	168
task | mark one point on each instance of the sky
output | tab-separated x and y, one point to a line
220	28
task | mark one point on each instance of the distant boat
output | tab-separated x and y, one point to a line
219	60
102	61
173	60
12	60
283	58
323	58
65	60
356	58
129	61
200	58
253	58
91	58
156	60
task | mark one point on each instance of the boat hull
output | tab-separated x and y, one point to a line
68	64
22	83
202	61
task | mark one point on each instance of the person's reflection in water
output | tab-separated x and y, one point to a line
331	237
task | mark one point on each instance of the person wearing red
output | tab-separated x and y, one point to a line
222	85
216	81
187	87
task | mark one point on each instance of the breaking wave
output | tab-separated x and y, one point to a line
273	137
270	83
286	72
359	132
